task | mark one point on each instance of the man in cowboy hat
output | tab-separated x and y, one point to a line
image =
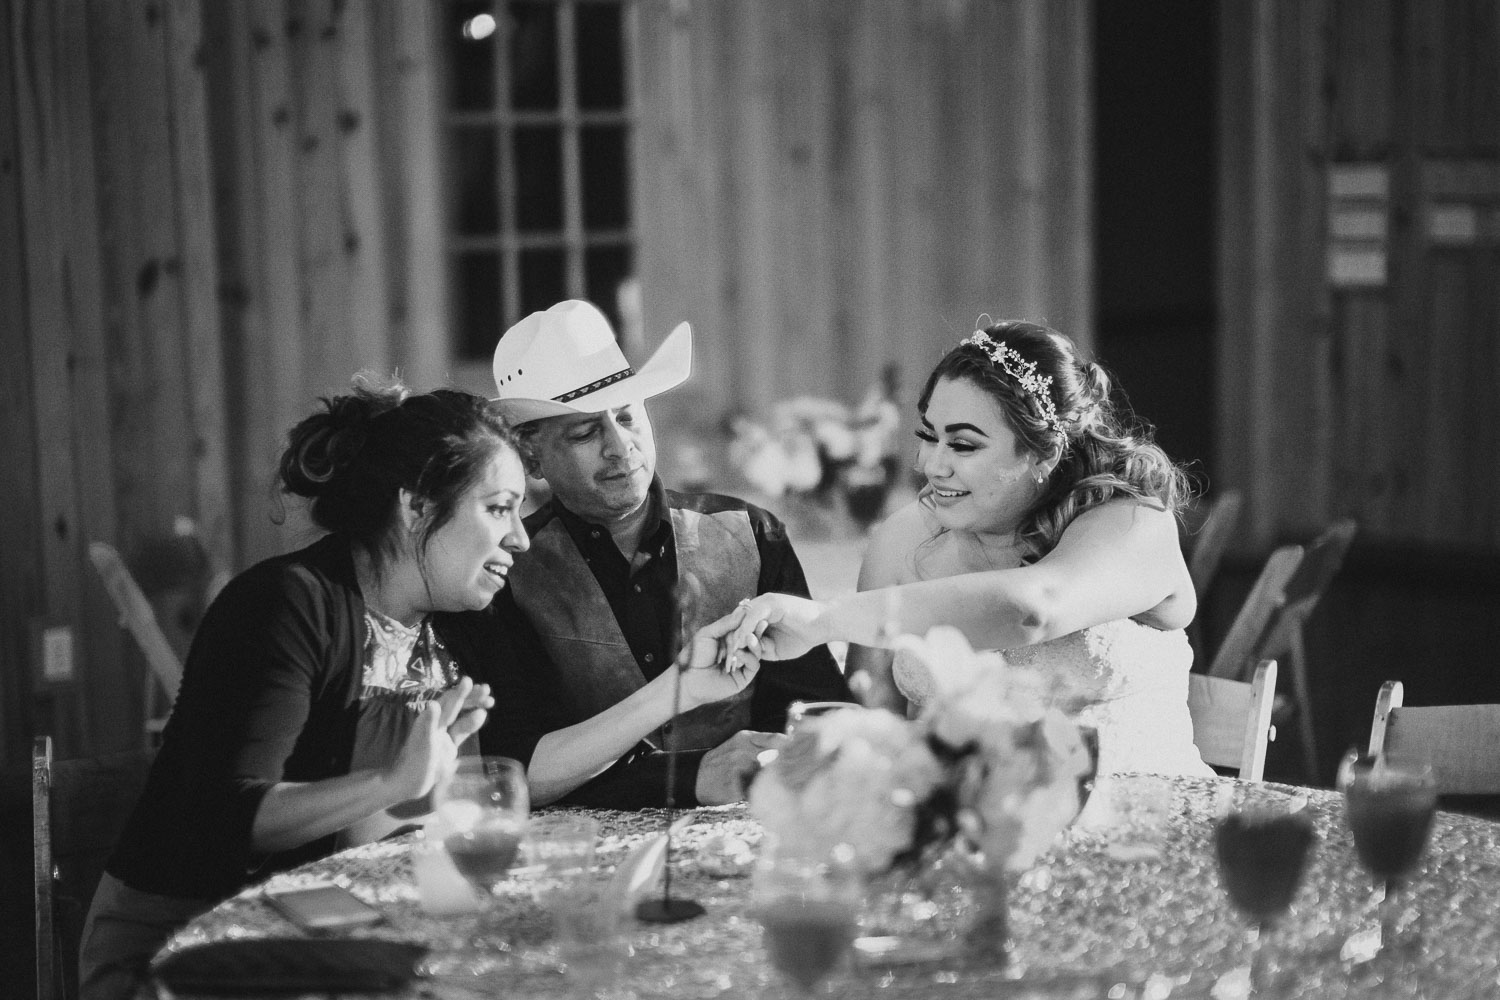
619	570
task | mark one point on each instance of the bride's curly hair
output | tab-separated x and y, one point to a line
1105	451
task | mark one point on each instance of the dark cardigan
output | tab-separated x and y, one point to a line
270	692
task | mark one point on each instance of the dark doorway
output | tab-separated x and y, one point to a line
1156	77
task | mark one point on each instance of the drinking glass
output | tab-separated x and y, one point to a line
808	905
1390	803
589	939
1262	840
481	818
800	710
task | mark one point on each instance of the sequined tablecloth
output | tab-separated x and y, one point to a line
1084	922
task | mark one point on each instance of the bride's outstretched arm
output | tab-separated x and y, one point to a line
1119	560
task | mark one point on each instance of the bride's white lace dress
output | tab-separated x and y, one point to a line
1127	680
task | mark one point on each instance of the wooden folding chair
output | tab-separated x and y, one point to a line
78	809
1235	656
1208	542
1461	742
139	618
1270	625
1232	719
1283	639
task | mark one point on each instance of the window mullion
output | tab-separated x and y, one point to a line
572	161
510	264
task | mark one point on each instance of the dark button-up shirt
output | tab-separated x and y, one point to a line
499	646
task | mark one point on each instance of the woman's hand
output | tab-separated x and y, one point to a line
465	707
294	813
430	753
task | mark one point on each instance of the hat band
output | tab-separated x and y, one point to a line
568	397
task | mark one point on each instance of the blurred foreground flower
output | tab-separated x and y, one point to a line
981	767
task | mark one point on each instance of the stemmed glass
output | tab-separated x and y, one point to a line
1262	841
808	905
481	818
1389	803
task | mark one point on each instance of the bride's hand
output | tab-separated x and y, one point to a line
777	627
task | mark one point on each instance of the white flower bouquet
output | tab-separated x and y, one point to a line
982	767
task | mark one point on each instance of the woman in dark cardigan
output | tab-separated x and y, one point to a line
318	702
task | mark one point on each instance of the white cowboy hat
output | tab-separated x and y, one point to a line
565	360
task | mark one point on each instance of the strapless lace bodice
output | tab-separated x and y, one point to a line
1127	680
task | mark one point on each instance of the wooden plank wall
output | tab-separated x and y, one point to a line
62	414
323	136
20	530
210	214
1375	401
313	207
824	189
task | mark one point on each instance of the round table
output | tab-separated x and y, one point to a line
1085	921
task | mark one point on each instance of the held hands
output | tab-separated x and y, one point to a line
768	627
430	753
710	680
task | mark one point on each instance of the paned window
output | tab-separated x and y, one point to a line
537	131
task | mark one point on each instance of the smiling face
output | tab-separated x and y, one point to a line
599	465
981	479
466	560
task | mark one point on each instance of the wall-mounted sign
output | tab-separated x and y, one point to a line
1358	224
1453	225
1462	202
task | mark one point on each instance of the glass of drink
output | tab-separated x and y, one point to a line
797	711
1262	841
1389	804
808	904
481	818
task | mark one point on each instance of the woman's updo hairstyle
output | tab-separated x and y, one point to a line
1104	450
353	458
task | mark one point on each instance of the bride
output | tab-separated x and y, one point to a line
1047	529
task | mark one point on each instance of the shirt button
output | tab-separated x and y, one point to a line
650	657
637	588
594	533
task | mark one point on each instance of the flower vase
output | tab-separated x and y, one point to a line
987	937
949	908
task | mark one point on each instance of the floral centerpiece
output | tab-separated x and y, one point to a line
981	781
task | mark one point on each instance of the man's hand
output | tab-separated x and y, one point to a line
728	767
708	646
705	685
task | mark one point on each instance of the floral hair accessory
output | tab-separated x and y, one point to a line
1024	372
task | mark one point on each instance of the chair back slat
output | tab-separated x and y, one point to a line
138	616
1212	538
1232	719
1461	742
1239	647
47	985
1320	564
79	809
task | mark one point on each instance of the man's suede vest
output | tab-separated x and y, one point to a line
717	565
